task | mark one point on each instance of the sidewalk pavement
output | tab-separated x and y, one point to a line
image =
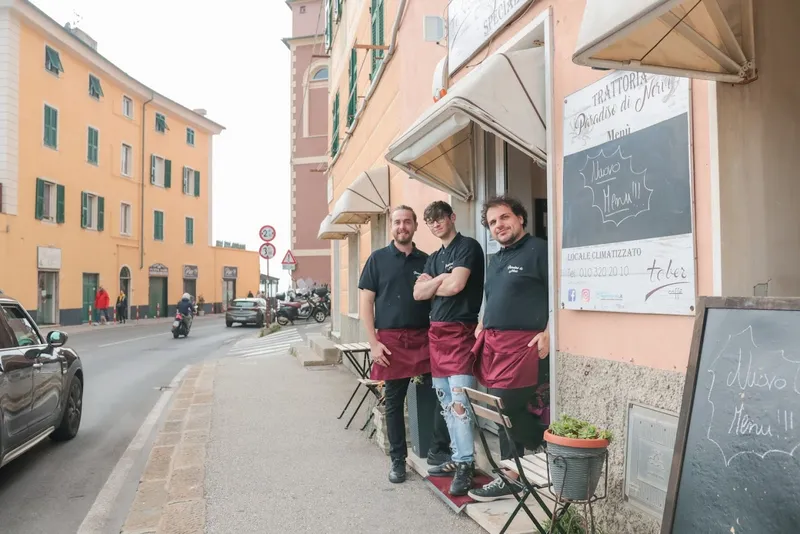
254	446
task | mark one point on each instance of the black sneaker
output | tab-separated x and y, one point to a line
447	469
439	458
494	490
397	473
462	481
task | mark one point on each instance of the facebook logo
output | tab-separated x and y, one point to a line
572	295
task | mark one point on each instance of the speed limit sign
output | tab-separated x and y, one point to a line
267	251
267	233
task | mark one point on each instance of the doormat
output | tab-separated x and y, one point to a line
441	487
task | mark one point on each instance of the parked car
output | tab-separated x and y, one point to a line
41	383
246	311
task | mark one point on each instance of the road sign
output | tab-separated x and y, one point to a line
267	251
289	266
288	259
267	233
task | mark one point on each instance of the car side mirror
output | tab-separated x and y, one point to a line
56	338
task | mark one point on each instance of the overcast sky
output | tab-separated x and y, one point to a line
225	57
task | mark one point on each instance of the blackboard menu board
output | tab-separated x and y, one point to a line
735	468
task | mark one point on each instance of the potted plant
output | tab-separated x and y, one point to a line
421	401
576	452
201	301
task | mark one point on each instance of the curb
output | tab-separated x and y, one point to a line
80	329
171	493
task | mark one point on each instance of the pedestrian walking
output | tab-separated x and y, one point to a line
453	278
101	303
122	307
513	340
397	329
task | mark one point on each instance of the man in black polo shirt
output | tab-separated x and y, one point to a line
513	340
454	280
400	343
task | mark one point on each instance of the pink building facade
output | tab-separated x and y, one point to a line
309	139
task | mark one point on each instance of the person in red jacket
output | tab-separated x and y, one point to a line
101	303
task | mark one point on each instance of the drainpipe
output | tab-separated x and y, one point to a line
141	200
378	74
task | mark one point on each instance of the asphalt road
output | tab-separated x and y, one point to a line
52	487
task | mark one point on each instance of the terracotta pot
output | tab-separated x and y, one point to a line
575	465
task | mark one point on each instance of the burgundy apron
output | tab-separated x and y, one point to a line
451	345
409	354
505	360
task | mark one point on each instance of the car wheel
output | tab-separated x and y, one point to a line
71	420
228	324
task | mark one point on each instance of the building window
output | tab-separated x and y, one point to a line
50	127
95	90
189	231
335	128
93	143
320	75
161	123
126	158
352	272
52	61
302	9
189	137
49	201
127	107
125	219
352	88
158	225
160	171
328	24
191	182
92	211
376	14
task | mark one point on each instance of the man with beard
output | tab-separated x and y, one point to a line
454	280
399	346
513	339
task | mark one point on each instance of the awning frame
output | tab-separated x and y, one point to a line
328	230
739	62
343	214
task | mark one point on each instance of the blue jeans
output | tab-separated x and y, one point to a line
459	425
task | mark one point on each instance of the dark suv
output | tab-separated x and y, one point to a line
41	383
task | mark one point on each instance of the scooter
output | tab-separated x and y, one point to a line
289	312
181	325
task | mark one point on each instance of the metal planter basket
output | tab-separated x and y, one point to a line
575	466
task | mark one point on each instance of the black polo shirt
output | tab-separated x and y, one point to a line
465	306
391	275
517	287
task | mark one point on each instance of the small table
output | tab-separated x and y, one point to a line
358	354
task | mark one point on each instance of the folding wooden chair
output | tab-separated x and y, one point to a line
363	366
532	470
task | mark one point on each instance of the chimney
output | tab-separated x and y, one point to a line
201	112
82	35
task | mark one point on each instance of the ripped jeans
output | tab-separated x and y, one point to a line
459	424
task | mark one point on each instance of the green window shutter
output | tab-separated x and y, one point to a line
50	127
197	183
84	208
352	102
60	204
152	168
52	61
167	173
93	146
95	88
335	129
376	12
101	213
189	231
39	212
158	225
339	10
328	24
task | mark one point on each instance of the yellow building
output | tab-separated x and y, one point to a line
103	181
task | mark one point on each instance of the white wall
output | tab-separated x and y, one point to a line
759	146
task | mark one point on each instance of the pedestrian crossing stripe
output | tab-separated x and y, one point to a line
271	344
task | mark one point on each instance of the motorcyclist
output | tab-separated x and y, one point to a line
186	308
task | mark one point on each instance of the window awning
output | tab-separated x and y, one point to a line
330	230
505	95
368	195
706	39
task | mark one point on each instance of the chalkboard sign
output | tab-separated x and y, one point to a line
736	464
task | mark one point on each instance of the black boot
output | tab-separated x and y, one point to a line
397	473
462	481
